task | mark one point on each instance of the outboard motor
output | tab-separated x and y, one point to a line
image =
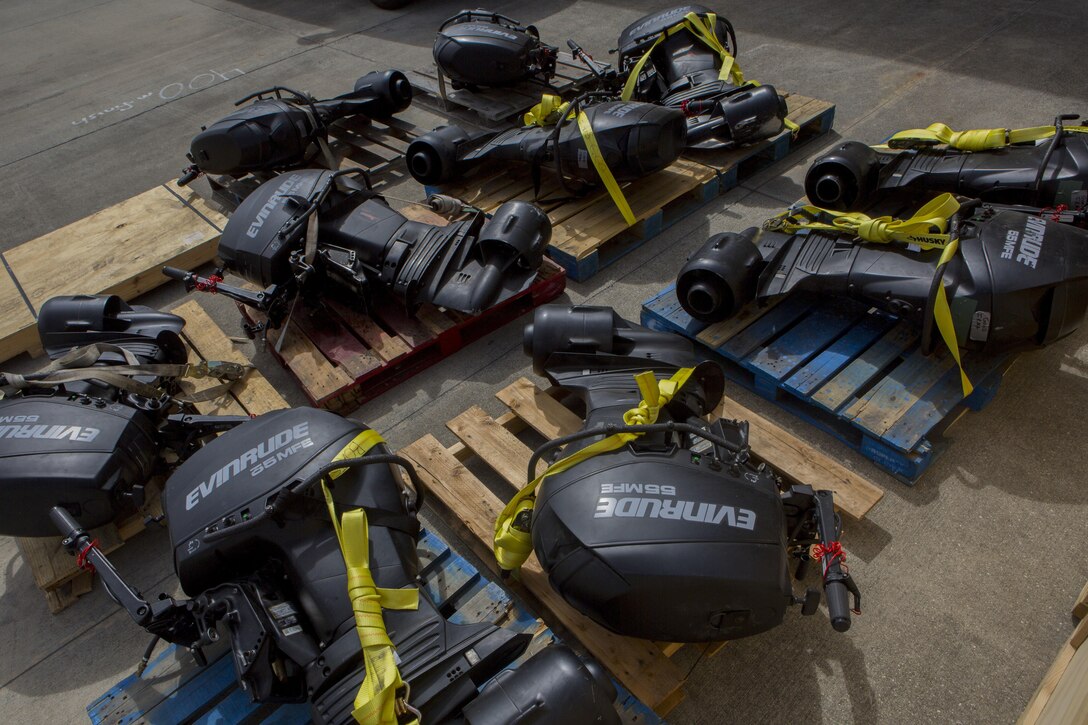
89	432
1015	280
481	48
635	139
653	522
683	71
285	129
255	549
363	247
1049	173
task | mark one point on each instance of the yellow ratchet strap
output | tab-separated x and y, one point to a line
513	541
383	696
702	30
548	112
942	314
927	228
979	139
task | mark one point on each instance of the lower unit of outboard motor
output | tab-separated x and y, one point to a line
653	522
635	139
668	62
1015	280
90	431
251	519
481	48
285	129
1050	173
318	233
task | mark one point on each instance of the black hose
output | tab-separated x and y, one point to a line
148	651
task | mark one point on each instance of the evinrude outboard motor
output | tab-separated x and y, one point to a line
1016	279
670	532
1046	173
481	48
683	71
81	434
284	129
364	247
256	551
635	139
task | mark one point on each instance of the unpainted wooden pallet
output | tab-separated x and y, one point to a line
643	667
54	570
589	233
1062	696
174	689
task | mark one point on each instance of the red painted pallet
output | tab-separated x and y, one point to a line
342	357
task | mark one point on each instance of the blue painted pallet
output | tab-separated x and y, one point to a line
852	371
174	689
589	234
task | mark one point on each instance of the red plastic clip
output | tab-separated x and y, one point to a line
81	557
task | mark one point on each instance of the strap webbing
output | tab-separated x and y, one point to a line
79	364
551	110
927	229
979	139
513	544
703	31
383	695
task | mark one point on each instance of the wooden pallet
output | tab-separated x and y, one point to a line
853	371
1062	696
342	358
496	105
120	250
643	667
174	689
589	233
54	570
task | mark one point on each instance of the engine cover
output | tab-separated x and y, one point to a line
231	478
78	452
484	53
665	545
251	243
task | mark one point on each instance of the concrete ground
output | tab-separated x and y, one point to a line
968	577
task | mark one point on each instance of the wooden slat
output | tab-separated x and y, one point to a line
119	250
580	234
718	333
860	371
384	345
800	462
255	393
495	445
638	664
896	393
545	414
1038	704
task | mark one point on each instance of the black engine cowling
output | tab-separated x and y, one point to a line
480	48
675	535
